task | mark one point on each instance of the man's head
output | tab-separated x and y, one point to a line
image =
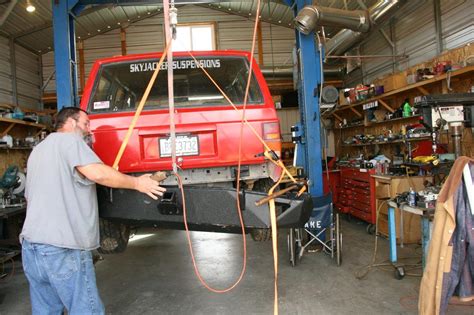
73	119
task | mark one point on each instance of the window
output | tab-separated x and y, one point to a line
194	37
121	85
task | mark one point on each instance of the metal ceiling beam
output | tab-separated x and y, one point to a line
49	24
142	2
7	12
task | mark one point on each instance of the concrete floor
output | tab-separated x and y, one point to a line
155	276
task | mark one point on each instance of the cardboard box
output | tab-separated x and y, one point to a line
342	99
392	82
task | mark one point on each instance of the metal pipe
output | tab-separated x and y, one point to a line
280	72
456	134
311	16
7	12
367	56
345	39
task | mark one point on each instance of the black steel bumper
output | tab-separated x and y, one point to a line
208	209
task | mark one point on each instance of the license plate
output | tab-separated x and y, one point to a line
185	145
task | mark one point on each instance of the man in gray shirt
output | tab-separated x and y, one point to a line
62	222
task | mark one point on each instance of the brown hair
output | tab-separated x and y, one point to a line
65	113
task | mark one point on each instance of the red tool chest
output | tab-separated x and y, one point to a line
357	193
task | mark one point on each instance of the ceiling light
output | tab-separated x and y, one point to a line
30	7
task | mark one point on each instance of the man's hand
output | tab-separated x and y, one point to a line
107	176
149	186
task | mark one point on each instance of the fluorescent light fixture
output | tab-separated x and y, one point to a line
30	7
205	97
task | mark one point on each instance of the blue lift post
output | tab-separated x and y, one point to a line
310	75
65	52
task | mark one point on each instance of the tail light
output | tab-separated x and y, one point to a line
271	135
271	131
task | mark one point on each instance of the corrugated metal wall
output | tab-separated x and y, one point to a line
28	79
5	72
288	117
147	36
414	35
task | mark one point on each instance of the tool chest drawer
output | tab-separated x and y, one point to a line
357	193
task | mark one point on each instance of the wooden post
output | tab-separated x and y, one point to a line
82	71
260	44
123	41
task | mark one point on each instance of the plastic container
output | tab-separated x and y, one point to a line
412	197
407	110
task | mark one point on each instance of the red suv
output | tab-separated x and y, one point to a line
207	141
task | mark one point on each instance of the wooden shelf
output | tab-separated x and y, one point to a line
13	122
417	85
392	120
387	142
22	122
381	122
16	148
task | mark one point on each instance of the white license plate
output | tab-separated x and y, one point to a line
185	145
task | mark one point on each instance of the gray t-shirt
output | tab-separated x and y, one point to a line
61	203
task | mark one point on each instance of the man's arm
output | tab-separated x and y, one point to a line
107	176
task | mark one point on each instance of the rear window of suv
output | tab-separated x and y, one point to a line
121	85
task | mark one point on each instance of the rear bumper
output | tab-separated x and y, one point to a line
208	209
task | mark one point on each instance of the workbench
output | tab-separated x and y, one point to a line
426	227
387	187
7	212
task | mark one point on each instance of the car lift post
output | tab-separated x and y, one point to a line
309	80
65	52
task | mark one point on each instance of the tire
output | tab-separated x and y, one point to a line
262	235
370	229
338	241
113	237
399	273
292	247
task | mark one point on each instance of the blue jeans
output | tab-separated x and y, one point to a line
60	278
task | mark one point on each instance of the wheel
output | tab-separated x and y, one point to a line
113	237
370	229
338	241
399	273
301	239
292	247
262	235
